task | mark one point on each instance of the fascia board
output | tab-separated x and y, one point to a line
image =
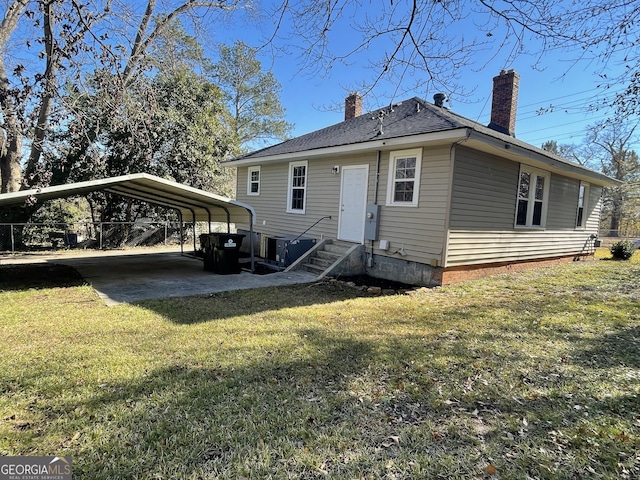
386	144
521	154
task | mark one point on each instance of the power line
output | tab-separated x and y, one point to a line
564	136
557	98
554	126
578	105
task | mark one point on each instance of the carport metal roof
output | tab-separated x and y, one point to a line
192	203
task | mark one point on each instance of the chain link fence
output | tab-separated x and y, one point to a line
609	237
16	237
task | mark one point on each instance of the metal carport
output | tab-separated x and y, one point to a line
189	202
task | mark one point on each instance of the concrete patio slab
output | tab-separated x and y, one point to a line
127	276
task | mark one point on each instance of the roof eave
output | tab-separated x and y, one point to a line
535	158
446	136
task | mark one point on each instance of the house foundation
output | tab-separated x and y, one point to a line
413	273
474	272
405	271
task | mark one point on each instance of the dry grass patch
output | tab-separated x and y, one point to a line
530	375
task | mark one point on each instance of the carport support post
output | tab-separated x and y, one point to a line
195	248
253	268
13	241
181	233
166	232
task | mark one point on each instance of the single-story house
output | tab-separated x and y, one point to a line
421	195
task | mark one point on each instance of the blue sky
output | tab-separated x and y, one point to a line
553	96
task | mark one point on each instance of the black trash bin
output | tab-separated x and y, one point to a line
207	244
226	248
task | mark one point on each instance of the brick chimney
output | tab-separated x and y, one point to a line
352	106
505	102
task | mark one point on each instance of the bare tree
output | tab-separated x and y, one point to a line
567	151
11	138
412	43
610	144
426	43
72	34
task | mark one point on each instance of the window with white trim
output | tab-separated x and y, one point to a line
583	198
297	191
533	193
404	177
253	181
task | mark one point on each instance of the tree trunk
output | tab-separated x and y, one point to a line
11	146
616	214
44	109
10	156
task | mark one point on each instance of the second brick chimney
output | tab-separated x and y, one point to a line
352	106
505	102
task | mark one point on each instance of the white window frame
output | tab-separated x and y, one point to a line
391	184
251	182
291	187
583	203
534	173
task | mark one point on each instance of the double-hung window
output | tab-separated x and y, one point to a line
297	191
404	177
533	193
253	181
583	197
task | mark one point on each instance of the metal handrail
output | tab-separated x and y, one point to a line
300	236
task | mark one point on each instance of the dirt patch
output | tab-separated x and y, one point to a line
367	281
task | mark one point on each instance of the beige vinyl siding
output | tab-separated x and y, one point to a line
482	228
563	203
484	191
322	197
473	247
418	230
481	202
594	209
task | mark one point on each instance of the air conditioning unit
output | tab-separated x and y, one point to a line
283	251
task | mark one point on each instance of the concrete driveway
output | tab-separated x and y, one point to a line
129	276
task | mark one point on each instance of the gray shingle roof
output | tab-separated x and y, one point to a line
410	117
414	116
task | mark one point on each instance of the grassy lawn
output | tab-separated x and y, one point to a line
528	375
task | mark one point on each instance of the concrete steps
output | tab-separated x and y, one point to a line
323	259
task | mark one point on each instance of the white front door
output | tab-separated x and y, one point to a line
353	203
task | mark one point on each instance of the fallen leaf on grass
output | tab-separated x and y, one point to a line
392	440
490	469
75	437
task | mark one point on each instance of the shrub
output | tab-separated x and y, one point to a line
622	250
